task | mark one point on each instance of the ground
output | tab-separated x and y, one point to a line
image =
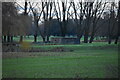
96	60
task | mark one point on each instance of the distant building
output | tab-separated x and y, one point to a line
64	40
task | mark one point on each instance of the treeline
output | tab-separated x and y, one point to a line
88	19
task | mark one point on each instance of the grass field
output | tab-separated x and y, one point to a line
39	38
96	60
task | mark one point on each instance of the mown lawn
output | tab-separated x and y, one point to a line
39	38
97	60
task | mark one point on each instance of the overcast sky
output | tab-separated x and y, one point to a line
21	3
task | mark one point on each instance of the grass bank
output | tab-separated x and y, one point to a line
97	60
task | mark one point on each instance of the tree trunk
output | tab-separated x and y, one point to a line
86	37
8	38
63	24
93	33
109	40
47	38
11	38
116	40
4	38
91	39
86	34
28	36
63	28
43	39
21	39
78	39
118	31
35	38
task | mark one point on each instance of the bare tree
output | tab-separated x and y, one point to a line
61	15
36	17
88	14
14	24
25	13
47	16
111	23
9	13
45	9
78	21
64	21
118	30
97	14
49	7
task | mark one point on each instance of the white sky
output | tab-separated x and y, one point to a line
21	2
56	0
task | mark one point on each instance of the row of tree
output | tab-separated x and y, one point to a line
88	19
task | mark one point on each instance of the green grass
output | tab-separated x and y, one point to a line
82	46
97	60
39	38
28	39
